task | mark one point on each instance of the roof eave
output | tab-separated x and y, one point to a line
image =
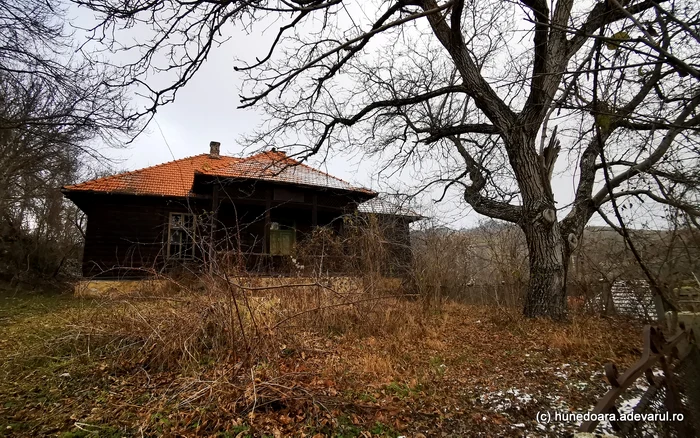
410	217
67	192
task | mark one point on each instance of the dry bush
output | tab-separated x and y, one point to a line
227	319
369	246
486	265
325	311
603	258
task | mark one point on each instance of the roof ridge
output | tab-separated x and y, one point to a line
278	154
327	174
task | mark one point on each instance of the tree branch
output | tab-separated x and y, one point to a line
477	88
349	121
481	204
465	128
655	156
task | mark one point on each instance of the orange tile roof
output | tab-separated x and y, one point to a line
278	167
175	178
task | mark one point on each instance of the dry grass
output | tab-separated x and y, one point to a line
289	362
228	322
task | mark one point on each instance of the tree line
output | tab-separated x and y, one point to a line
56	109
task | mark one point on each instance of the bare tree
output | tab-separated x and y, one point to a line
39	231
36	51
55	104
493	93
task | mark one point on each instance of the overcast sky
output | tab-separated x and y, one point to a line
207	109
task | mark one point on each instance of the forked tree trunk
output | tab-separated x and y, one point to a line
546	294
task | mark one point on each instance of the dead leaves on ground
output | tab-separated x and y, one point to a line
464	375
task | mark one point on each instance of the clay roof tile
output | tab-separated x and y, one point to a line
175	178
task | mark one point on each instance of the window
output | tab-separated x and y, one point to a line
281	241
181	236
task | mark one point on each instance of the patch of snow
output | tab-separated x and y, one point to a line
627	406
579	385
512	398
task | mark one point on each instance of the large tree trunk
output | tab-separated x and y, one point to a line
546	294
547	250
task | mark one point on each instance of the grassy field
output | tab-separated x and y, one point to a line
73	367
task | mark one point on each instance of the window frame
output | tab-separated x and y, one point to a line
190	235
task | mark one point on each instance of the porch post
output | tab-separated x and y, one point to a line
214	214
314	211
266	234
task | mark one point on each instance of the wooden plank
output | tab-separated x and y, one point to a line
266	231
212	225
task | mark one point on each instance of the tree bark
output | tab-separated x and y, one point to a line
546	294
547	249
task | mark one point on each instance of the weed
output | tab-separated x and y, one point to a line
381	429
167	364
367	397
437	365
235	431
161	421
345	429
400	390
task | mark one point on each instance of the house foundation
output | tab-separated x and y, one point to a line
95	288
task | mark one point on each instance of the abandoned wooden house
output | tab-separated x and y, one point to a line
254	214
